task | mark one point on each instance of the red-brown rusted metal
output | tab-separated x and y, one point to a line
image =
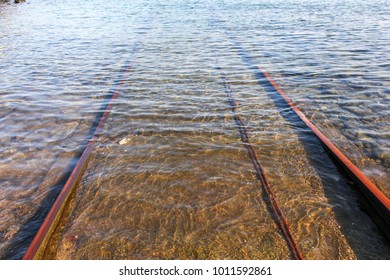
262	176
38	245
378	200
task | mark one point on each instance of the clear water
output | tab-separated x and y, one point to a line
170	177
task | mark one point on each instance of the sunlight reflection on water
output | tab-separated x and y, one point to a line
171	177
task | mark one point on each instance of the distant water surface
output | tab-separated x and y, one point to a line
170	177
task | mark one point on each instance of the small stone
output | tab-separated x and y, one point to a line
380	153
125	141
361	135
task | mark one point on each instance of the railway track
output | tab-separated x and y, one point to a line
378	202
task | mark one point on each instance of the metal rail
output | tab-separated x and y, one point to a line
39	243
261	174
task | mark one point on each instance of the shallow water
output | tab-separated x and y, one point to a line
170	177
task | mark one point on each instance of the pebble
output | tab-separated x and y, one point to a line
19	155
11	151
125	141
379	152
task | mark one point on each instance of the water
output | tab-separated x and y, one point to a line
170	177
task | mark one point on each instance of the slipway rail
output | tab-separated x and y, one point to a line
39	243
261	174
377	200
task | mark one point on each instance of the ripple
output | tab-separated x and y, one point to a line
170	177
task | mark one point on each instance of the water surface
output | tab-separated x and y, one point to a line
170	177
